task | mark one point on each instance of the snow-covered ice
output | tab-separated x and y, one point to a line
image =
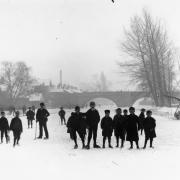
55	159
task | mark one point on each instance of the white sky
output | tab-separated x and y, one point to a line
82	37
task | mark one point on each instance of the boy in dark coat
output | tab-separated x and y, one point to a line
132	128
119	124
42	117
30	117
141	120
4	127
62	114
107	128
76	124
92	120
16	127
149	129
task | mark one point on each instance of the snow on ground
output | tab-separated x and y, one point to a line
56	159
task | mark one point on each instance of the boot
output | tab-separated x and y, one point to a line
76	146
96	146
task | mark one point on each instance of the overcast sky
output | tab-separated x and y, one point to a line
81	37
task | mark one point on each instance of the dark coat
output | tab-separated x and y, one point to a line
30	115
119	125
41	115
16	125
149	127
4	125
132	128
62	113
92	118
107	126
76	122
141	120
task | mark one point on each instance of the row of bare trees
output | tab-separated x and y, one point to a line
151	65
16	79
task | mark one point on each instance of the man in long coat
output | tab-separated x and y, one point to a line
132	128
42	117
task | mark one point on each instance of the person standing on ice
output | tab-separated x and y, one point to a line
141	120
76	124
107	128
92	120
42	117
17	128
119	125
4	127
149	129
132	128
62	114
30	117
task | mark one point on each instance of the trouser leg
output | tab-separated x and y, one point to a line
40	130
131	144
89	136
74	137
81	135
95	135
122	143
104	141
109	141
145	142
151	142
2	134
137	144
46	130
117	141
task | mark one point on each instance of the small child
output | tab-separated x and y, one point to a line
62	114
107	128
149	129
141	119
16	127
4	127
30	117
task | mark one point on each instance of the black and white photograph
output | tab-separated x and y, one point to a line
89	89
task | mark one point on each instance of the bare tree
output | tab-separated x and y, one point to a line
152	61
17	79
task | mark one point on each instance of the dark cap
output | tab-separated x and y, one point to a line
149	112
132	108
42	104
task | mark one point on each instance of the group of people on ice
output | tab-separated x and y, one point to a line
125	127
15	126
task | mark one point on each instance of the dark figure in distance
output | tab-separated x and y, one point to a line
76	124
42	117
92	120
141	120
149	129
119	125
17	128
62	114
24	110
107	128
132	128
30	117
4	127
